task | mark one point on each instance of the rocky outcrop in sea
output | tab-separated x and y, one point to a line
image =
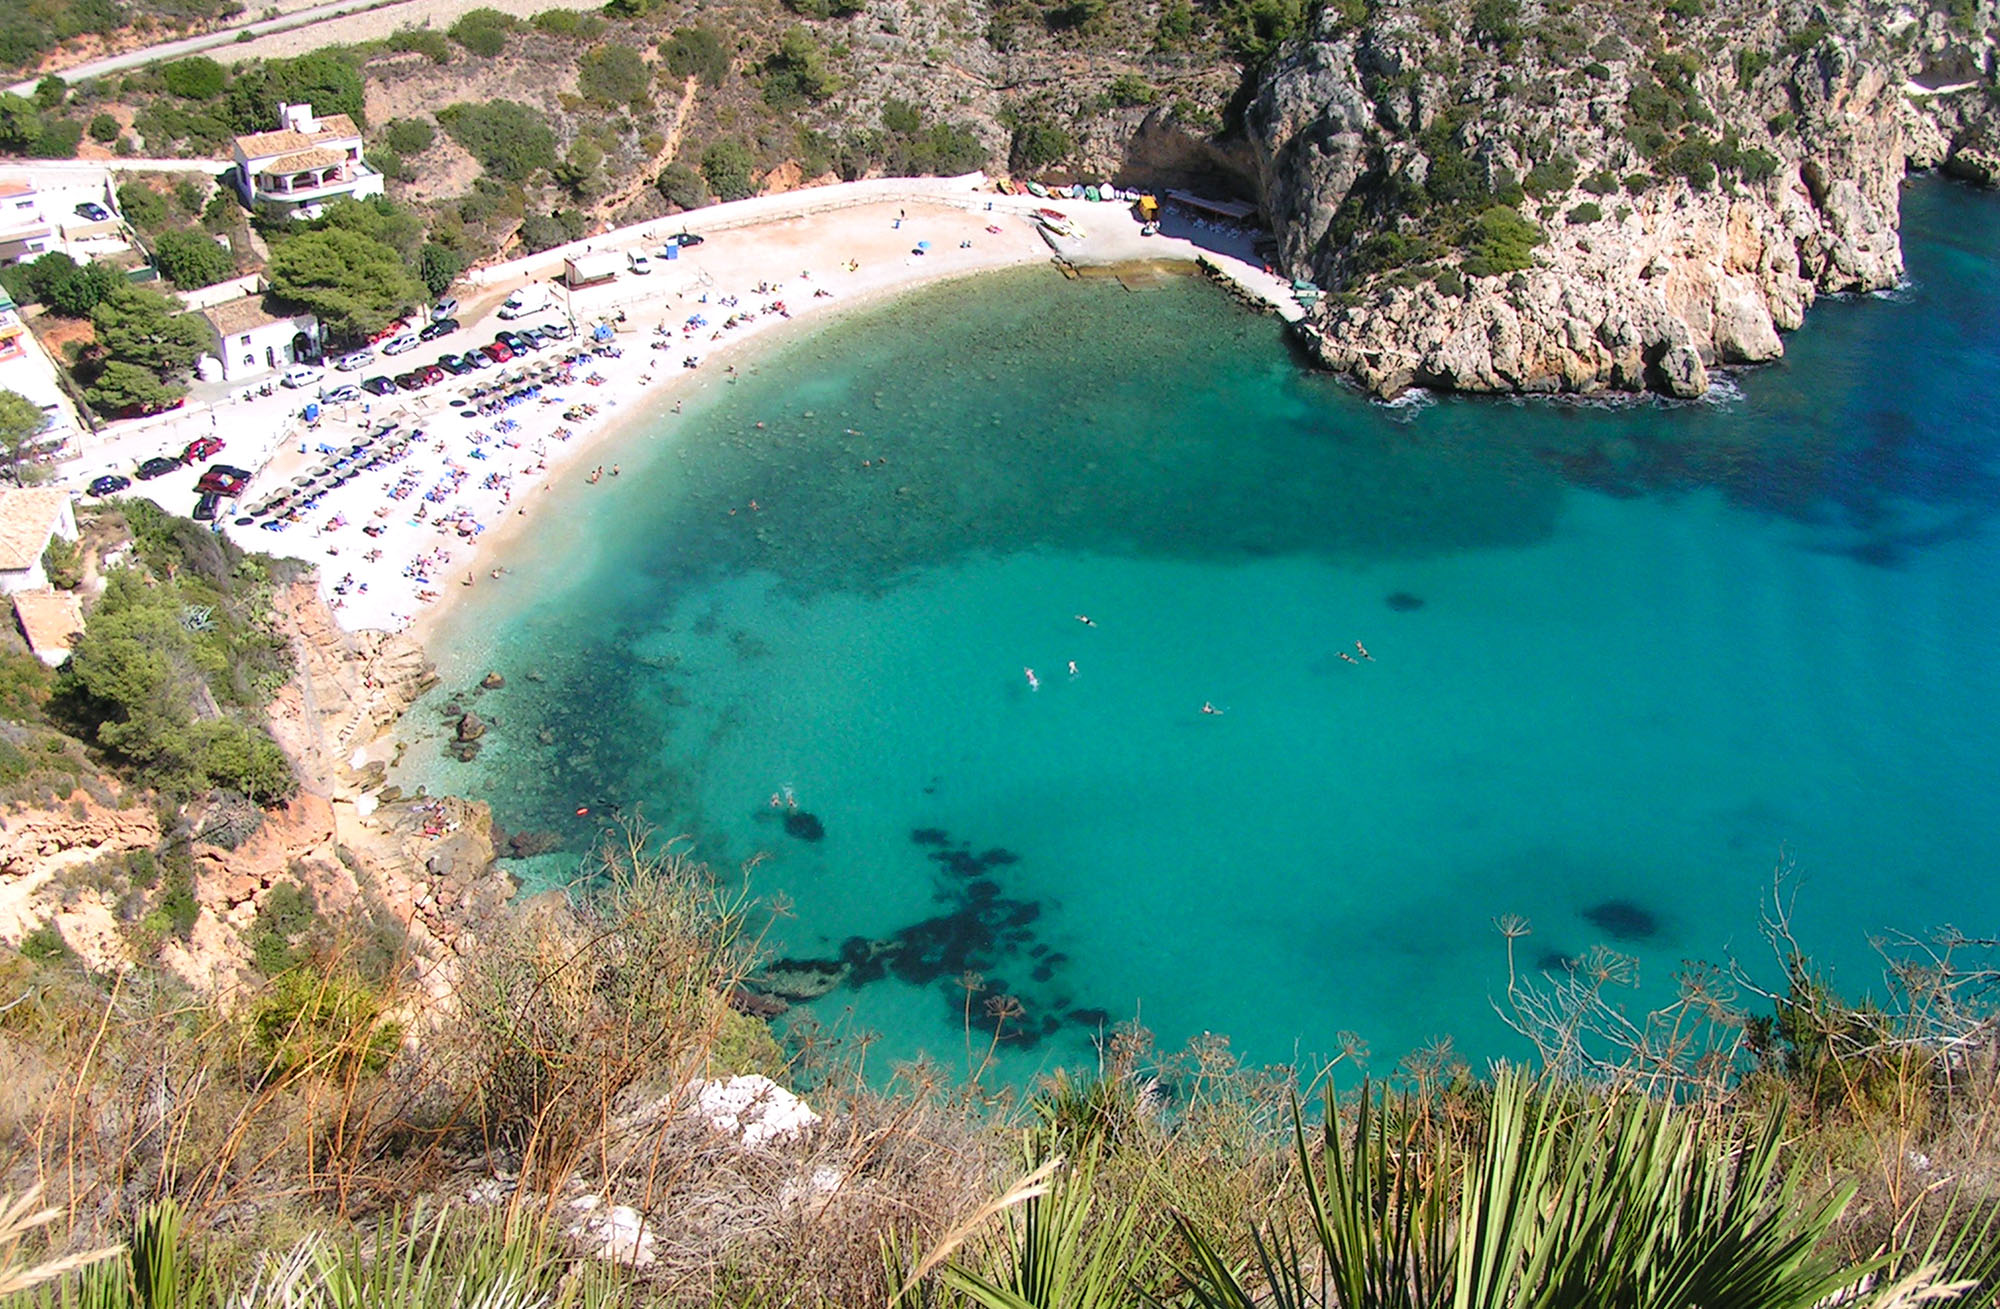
1547	197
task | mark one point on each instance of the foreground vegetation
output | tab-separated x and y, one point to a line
332	1138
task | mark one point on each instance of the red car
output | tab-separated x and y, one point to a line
431	373
400	325
201	448
497	352
221	479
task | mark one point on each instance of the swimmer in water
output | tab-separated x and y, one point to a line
1209	708
1364	652
1034	682
1349	658
1072	668
791	797
1085	620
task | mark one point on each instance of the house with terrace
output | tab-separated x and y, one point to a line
306	162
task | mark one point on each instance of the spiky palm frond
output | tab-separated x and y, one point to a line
18	1217
1623	1202
1057	1259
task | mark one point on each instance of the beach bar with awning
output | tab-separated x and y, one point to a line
1236	211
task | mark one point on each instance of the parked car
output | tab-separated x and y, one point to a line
222	479
341	395
514	341
497	352
347	363
400	343
204	508
444	309
557	331
379	386
685	239
300	376
477	359
109	484
454	365
431	373
201	448
96	213
410	381
442	327
638	263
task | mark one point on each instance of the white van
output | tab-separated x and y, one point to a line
399	343
637	262
527	300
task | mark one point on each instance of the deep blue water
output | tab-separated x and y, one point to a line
1625	661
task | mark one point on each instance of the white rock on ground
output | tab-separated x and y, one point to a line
753	1108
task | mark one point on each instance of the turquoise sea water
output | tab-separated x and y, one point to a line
1625	660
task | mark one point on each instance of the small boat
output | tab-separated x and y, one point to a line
1090	194
1038	190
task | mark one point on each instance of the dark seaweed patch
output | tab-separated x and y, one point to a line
803	825
1624	920
1403	602
929	836
1555	961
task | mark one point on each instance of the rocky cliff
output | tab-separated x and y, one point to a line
1546	196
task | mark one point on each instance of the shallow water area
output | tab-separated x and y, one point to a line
1601	666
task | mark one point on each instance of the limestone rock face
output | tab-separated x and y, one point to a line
349	687
1376	145
37	846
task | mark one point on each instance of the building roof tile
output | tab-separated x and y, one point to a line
27	519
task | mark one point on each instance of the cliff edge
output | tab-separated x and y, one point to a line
1553	197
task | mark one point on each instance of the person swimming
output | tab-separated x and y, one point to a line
1085	620
1364	652
1034	682
1208	707
1072	668
1349	658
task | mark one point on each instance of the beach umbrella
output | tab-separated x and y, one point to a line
923	245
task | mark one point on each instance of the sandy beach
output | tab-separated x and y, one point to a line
402	502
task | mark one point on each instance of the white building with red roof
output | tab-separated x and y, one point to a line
306	162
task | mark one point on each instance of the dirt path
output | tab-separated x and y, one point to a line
642	178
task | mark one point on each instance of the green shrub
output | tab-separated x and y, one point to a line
1587	212
613	75
901	117
1451	282
682	186
696	52
1749	63
329	1026
1550	177
104	129
1601	182
1497	22
143	207
45	945
1039	143
1782	123
424	41
1638	183
483	31
438	267
1685	10
728	166
194	78
797	72
1805	38
25	683
409	136
1500	240
510	140
190	259
286	915
568	23
1130	89
63	562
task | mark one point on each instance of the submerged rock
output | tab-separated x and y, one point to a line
1403	602
804	826
492	682
1624	920
471	727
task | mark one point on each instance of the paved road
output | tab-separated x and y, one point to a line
207	41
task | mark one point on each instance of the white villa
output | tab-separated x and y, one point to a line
305	163
29	517
253	337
